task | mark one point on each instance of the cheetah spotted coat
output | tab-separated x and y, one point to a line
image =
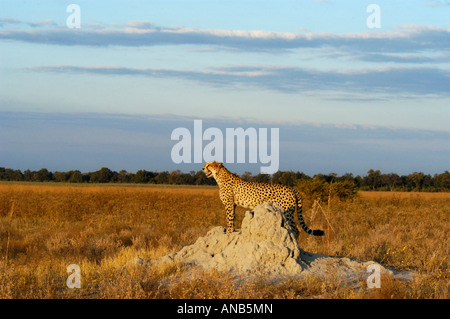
234	191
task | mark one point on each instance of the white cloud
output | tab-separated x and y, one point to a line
415	81
411	38
39	23
442	3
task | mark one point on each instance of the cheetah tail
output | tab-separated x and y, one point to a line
314	232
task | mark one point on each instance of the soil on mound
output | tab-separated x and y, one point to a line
266	245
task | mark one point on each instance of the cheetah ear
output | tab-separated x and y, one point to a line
220	164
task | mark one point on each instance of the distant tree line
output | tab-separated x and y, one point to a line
374	180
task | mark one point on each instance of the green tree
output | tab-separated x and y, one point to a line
61	176
417	180
143	176
301	175
43	175
442	181
104	175
247	176
262	178
124	177
162	178
75	177
373	179
10	174
391	180
284	178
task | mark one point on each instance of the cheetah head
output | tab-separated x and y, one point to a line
212	168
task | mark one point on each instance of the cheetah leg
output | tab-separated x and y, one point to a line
230	210
291	221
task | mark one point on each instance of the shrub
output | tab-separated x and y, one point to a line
317	188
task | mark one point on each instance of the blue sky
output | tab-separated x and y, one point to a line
377	97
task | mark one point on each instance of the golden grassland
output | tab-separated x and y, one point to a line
46	227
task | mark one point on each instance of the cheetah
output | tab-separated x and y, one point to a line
234	191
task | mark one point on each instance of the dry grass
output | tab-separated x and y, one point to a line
101	228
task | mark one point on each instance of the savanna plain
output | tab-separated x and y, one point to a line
45	227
